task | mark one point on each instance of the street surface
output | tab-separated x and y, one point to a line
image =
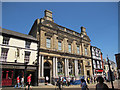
72	87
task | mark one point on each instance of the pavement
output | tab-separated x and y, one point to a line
71	87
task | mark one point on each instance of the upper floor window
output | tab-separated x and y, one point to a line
60	67
86	51
101	64
4	54
94	64
59	45
69	47
78	49
27	44
48	40
27	56
98	64
6	40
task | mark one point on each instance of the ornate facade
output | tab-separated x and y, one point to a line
62	52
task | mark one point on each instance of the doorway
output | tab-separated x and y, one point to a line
47	71
88	73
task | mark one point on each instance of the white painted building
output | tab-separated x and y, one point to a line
97	62
18	52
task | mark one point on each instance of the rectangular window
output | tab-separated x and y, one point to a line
6	40
27	44
69	47
98	64
48	42
59	45
4	54
94	64
27	56
78	49
86	51
101	64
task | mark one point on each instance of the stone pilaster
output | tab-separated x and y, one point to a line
54	67
76	68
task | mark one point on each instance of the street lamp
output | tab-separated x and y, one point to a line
25	79
110	74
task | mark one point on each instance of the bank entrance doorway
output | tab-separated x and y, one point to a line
47	71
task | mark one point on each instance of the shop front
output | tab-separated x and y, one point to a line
11	72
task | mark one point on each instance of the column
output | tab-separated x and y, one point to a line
42	67
56	67
76	67
53	66
39	70
67	64
65	67
12	74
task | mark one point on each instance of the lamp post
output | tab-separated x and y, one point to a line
25	72
110	74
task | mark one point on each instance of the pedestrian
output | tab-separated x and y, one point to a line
47	78
59	83
22	81
84	85
88	80
18	82
29	82
101	85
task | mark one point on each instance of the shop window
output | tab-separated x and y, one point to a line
79	68
70	68
60	67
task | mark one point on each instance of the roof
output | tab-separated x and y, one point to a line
17	34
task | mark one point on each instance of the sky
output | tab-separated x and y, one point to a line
99	18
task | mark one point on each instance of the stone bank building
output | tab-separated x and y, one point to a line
62	51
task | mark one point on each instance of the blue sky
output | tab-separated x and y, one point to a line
99	18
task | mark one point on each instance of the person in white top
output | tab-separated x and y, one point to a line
47	79
22	81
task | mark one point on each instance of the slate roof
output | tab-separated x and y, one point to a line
17	34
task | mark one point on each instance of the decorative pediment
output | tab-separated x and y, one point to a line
85	37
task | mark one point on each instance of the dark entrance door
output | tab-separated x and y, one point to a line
88	73
47	71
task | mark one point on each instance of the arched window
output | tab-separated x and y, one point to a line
60	67
79	68
70	68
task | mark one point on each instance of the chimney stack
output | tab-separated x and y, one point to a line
83	30
48	15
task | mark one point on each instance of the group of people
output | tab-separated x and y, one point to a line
99	86
20	82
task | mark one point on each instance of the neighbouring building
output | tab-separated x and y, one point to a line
97	61
18	55
63	52
112	67
118	63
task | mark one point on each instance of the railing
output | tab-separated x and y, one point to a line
67	30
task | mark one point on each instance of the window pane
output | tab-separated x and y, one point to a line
59	45
78	49
85	51
48	42
69	47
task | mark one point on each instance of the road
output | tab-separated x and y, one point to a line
72	87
